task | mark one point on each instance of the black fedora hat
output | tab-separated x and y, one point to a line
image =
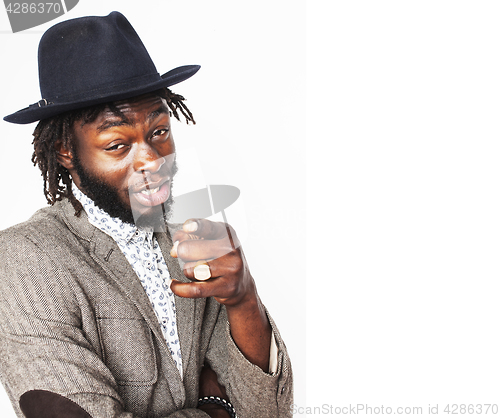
92	60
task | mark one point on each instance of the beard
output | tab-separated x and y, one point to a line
107	198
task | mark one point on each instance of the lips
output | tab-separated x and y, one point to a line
153	194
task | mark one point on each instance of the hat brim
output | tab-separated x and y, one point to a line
37	112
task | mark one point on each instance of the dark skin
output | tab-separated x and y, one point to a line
134	157
209	386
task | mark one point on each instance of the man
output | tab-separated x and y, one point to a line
97	316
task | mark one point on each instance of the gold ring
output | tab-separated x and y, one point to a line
202	271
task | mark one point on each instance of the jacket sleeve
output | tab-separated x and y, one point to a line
43	345
253	392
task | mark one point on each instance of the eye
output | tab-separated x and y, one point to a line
161	132
115	147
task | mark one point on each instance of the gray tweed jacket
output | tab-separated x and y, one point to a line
75	321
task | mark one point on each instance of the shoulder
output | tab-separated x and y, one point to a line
44	249
45	223
36	266
51	227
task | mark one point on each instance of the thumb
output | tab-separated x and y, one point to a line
189	290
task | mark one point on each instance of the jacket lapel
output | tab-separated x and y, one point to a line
110	257
185	307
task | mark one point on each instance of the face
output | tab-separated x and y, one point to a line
126	162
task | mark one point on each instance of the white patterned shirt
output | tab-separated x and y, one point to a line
142	251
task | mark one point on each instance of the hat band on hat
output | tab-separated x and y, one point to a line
101	91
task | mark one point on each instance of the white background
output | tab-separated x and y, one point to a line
364	136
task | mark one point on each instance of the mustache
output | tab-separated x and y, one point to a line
167	170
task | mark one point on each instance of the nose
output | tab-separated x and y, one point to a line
148	159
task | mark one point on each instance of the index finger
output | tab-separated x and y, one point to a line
204	228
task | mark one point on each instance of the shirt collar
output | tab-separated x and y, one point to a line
117	229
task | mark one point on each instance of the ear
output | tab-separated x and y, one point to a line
64	155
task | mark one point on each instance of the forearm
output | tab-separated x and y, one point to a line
51	404
251	331
253	391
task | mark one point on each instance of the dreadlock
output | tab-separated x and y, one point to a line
56	178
